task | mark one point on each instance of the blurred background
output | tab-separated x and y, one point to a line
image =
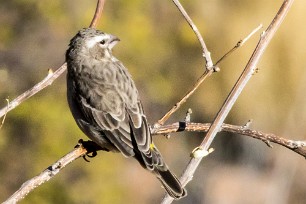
165	60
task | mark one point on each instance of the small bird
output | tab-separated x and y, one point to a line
105	104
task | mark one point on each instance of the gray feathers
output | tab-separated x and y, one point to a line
105	104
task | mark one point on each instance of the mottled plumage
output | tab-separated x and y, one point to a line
106	106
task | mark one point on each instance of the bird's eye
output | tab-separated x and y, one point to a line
102	42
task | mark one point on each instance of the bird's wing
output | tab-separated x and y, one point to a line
114	127
112	105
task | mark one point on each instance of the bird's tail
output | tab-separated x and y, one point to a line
171	184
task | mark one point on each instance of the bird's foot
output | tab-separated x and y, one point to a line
91	148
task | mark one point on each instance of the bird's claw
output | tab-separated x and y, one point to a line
91	148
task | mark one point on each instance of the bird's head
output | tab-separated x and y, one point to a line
95	43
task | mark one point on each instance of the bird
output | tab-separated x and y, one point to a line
105	104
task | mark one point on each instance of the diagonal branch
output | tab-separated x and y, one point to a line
235	92
46	175
239	44
48	80
206	53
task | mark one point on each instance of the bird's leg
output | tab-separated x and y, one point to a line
91	148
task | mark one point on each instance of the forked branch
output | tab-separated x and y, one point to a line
235	92
202	78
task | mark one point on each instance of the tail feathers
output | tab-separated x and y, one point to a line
171	184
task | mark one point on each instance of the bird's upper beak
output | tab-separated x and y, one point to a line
113	41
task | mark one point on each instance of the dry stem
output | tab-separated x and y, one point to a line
234	94
204	76
46	175
48	80
79	151
206	53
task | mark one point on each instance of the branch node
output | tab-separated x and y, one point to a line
50	72
198	152
247	125
296	144
238	44
217	69
255	71
262	35
188	115
54	169
167	136
268	143
155	126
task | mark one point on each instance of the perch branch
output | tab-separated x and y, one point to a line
84	148
234	94
48	80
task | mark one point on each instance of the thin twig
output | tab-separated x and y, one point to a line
98	13
239	44
3	119
234	94
206	53
46	175
48	80
51	76
206	74
80	150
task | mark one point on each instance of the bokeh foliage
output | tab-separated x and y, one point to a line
164	58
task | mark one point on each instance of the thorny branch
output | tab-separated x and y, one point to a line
235	92
84	148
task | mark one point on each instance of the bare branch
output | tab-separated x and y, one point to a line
34	90
3	119
239	44
98	13
206	53
207	72
85	148
184	99
235	92
48	80
296	146
46	175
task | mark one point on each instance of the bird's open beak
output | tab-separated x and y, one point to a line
113	41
